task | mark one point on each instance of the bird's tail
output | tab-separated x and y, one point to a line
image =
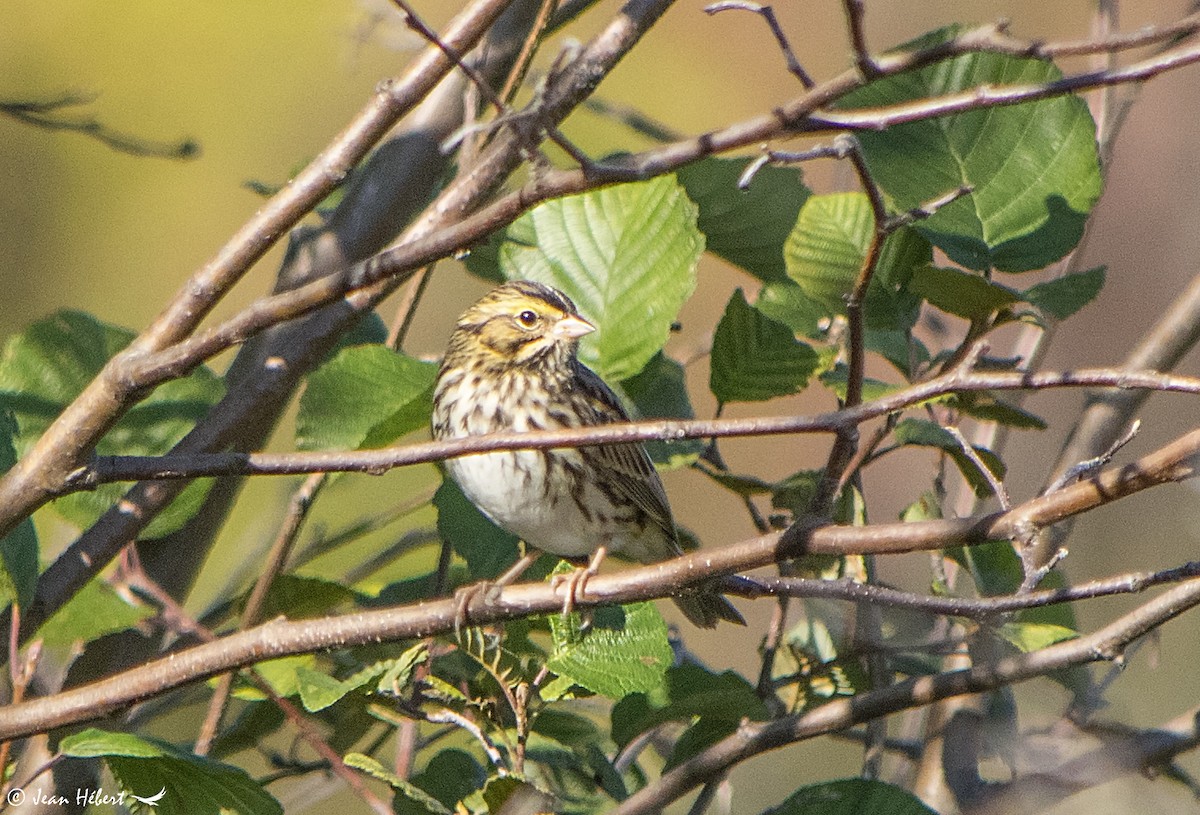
705	608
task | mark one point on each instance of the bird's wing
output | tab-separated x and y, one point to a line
625	469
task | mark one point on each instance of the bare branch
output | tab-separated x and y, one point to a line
106	469
1173	462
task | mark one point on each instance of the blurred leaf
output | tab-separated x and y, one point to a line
826	250
525	797
746	228
837	381
297	597
785	302
94	611
280	674
46	367
690	691
755	358
923	433
795	492
411	798
450	776
659	391
626	255
19	548
625	651
900	348
1034	167
1028	637
319	690
1064	296
988	407
193	785
852	796
487	548
254	723
963	294
994	566
365	397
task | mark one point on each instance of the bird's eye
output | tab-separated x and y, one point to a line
527	318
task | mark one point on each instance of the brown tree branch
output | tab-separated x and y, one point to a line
107	469
114	390
1173	462
753	739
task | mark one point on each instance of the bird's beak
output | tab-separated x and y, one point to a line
571	328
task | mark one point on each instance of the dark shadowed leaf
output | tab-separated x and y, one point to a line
746	228
1066	295
190	784
659	391
487	548
755	358
44	368
852	796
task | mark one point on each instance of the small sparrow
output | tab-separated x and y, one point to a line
511	366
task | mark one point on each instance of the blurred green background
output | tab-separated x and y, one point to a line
263	86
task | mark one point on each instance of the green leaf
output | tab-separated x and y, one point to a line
297	597
43	369
415	799
785	302
191	785
994	566
689	692
755	358
963	294
1066	295
659	391
19	548
499	790
746	228
923	433
852	796
487	548
625	651
280	674
450	776
1028	637
94	611
319	690
838	381
826	250
367	396
626	255
1034	167
986	406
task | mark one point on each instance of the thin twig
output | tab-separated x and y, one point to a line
105	469
855	21
298	507
767	13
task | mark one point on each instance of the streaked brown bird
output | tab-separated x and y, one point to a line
511	366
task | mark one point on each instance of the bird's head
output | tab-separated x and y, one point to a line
520	324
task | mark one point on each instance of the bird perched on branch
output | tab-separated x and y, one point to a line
511	366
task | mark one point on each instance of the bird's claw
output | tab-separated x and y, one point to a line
464	597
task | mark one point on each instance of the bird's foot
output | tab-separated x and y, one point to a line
488	589
576	584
